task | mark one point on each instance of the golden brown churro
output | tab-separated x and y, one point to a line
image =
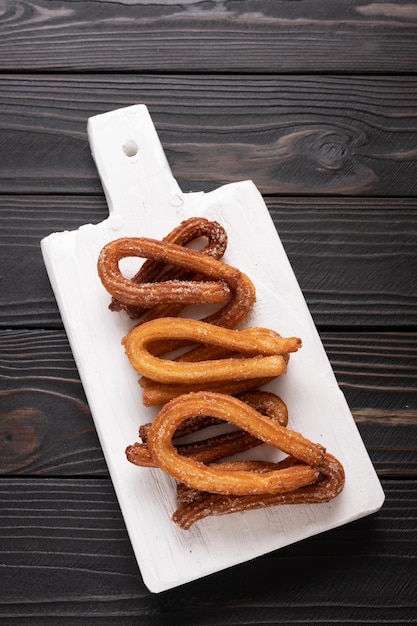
155	271
212	289
263	352
230	409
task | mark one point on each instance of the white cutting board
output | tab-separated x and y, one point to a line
145	200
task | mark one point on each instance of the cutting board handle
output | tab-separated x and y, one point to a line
131	163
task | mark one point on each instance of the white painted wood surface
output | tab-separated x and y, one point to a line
144	199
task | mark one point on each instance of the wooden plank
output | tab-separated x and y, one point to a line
27	297
193	36
46	425
377	373
65	551
315	135
46	428
354	259
328	240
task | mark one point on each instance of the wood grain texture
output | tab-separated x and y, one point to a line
316	102
315	135
360	261
210	36
378	374
27	297
64	549
46	428
354	258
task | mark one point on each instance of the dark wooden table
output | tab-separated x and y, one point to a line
317	103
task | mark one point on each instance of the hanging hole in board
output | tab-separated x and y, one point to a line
130	148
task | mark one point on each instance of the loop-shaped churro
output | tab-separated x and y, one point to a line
164	284
156	271
215	479
263	351
213	288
